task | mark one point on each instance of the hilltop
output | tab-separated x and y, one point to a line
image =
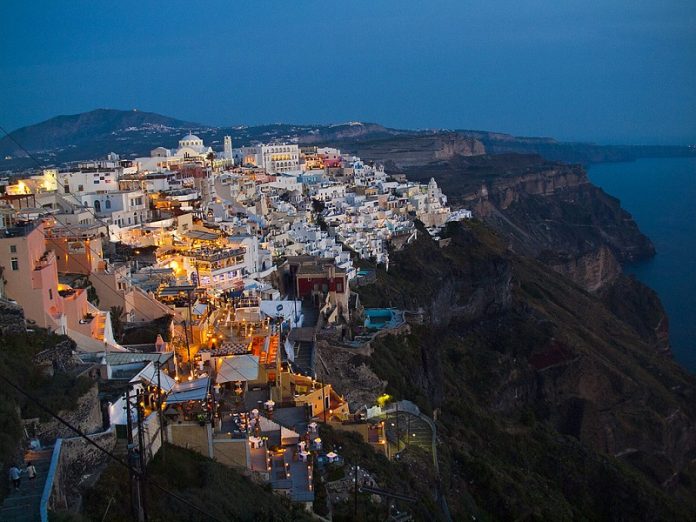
134	133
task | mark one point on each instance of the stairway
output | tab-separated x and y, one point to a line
23	505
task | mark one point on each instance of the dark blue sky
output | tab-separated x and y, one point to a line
608	70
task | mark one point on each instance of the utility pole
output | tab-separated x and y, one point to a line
188	347
160	415
398	434
323	398
141	446
134	482
355	493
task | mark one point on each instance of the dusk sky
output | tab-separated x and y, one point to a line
608	71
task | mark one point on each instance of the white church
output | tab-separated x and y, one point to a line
191	149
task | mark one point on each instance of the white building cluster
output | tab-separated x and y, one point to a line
285	200
232	250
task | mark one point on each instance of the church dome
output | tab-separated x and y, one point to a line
191	137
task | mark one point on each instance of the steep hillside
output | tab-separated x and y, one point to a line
90	135
218	490
547	209
550	405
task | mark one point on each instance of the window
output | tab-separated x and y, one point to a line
107	203
97	206
15	263
13	249
80	188
50	294
66	189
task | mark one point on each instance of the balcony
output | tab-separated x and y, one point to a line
47	259
216	254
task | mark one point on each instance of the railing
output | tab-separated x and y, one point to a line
48	486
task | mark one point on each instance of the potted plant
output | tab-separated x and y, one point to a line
202	419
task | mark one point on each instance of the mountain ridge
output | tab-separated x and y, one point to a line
132	133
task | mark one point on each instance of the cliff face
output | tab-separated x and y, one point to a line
536	382
408	151
557	209
592	270
546	210
641	308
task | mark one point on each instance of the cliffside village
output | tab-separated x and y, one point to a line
232	262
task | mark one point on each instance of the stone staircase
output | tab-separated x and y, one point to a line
23	505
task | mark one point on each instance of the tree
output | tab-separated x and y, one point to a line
116	322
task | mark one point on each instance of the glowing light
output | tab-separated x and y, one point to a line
383	399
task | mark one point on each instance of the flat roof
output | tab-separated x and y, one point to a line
201	235
117	358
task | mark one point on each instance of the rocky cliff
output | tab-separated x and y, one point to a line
551	404
546	209
412	150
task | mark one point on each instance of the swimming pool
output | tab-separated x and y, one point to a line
378	318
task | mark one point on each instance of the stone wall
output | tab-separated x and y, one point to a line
11	318
86	416
190	435
79	466
231	452
60	357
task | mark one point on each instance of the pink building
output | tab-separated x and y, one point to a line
31	275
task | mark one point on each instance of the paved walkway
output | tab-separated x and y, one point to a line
23	505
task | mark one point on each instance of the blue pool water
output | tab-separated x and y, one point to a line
377	318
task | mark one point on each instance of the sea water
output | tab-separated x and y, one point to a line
660	194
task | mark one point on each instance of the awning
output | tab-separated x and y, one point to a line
200	309
196	390
149	375
238	368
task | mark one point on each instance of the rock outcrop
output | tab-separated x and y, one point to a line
408	151
546	210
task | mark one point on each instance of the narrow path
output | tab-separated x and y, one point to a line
23	505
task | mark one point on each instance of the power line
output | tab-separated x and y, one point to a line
83	435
